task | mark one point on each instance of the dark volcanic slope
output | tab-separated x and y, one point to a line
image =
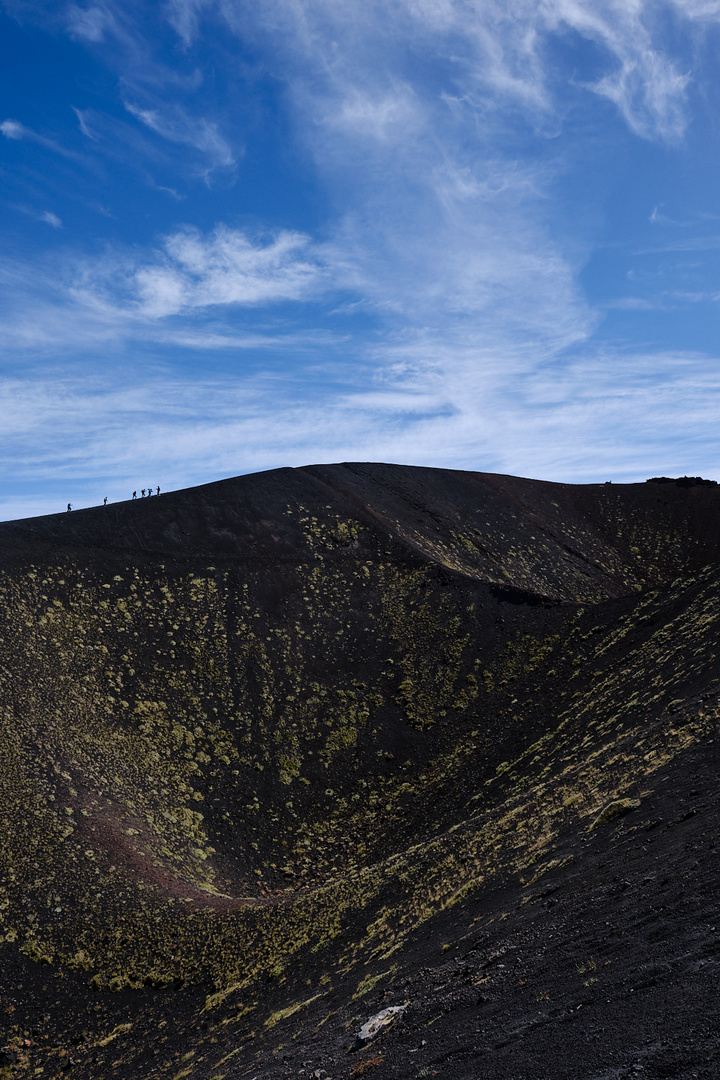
285	749
556	540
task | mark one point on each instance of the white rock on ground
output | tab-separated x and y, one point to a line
376	1024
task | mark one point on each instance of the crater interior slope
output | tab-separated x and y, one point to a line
286	749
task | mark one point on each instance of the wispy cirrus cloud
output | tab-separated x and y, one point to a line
16	132
497	51
176	126
191	271
92	23
498	45
408	110
383	71
51	219
118	142
156	296
13	129
46	216
152	90
702	10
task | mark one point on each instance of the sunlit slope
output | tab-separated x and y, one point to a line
313	704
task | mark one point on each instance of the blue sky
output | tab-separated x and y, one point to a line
478	234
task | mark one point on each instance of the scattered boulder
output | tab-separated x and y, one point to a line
614	809
372	1027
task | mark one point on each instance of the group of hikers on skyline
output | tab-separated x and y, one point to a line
143	492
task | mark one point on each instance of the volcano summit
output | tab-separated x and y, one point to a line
285	752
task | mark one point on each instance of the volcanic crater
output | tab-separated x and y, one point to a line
287	750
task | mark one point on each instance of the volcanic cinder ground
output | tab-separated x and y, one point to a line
283	751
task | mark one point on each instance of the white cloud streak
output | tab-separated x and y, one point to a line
405	107
12	129
183	297
51	219
176	126
498	48
193	271
91	24
16	132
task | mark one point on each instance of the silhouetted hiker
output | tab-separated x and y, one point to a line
143	493
149	491
158	490
134	494
69	508
105	501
